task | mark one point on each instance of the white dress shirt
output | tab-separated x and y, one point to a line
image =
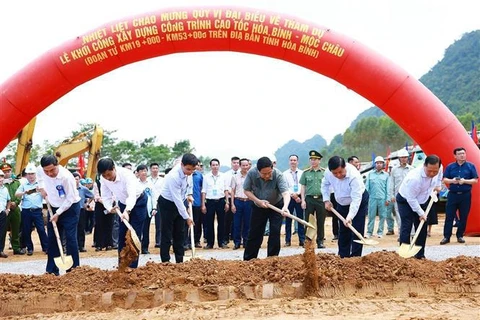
65	180
348	191
293	184
416	187
214	187
176	187
125	189
157	184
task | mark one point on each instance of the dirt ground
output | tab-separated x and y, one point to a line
308	286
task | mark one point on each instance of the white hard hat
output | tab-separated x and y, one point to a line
30	168
402	153
379	159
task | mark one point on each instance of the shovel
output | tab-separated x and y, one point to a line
291	216
409	250
135	239
192	237
63	262
311	233
367	242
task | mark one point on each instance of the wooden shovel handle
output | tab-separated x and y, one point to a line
349	225
57	234
127	224
192	236
291	216
420	226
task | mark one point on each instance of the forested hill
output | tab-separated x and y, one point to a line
455	80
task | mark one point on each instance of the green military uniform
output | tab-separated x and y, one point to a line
311	179
14	217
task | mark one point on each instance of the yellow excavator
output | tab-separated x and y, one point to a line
24	146
90	141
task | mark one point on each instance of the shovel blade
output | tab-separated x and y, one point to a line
136	240
311	233
64	263
408	250
367	242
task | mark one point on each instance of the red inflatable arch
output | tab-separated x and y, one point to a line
274	35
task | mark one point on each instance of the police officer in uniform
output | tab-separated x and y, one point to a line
312	200
14	218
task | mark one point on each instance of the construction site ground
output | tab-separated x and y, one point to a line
303	283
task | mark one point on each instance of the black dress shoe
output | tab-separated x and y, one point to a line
20	252
198	245
223	246
145	252
460	240
208	247
320	245
445	241
82	249
237	246
108	248
335	238
287	244
301	244
157	246
29	252
98	249
3	255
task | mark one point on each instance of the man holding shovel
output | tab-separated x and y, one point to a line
120	183
265	185
177	188
59	187
412	199
352	203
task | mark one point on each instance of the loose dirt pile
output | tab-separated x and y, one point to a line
129	253
92	289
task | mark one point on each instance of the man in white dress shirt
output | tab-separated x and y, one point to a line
177	190
292	176
120	183
352	203
157	183
413	197
59	187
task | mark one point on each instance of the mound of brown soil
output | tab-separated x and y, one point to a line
208	277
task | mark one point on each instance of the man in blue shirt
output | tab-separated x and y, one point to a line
198	216
460	175
32	204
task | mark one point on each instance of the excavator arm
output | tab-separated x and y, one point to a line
24	146
94	152
81	144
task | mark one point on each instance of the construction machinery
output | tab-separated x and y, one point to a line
24	146
89	141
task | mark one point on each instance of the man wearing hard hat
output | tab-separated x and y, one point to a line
377	186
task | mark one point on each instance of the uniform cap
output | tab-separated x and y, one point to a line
82	182
315	154
402	153
5	166
88	180
379	159
30	168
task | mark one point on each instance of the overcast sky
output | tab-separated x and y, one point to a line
196	96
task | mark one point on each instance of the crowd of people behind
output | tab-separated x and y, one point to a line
240	206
